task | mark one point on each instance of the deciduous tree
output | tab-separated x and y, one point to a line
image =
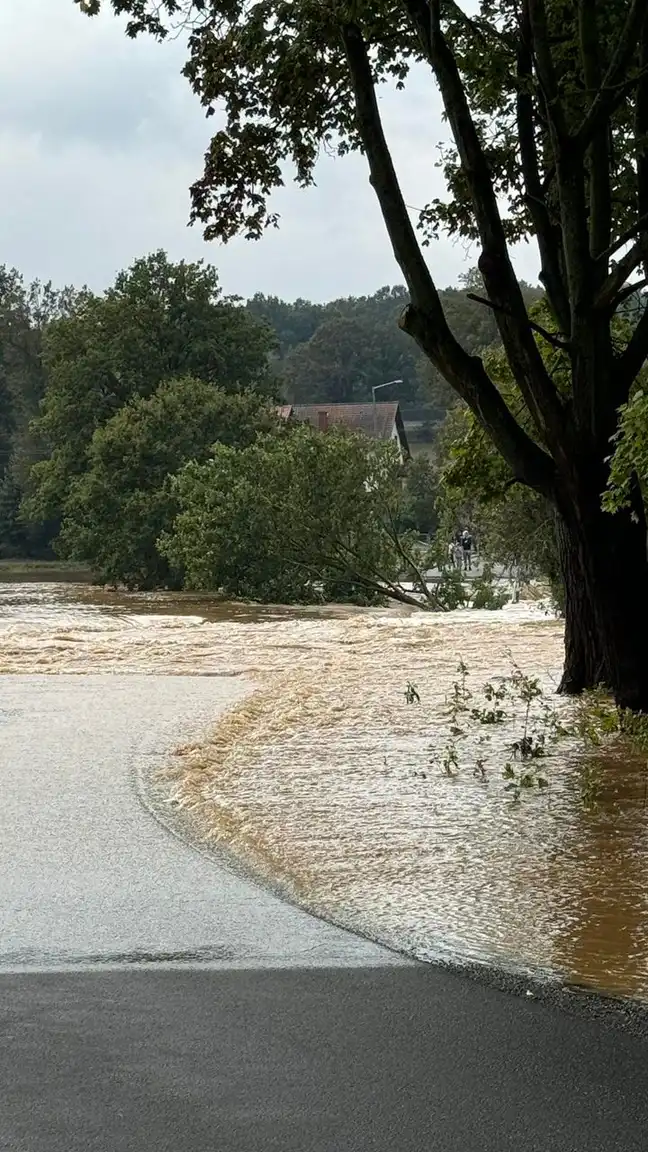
547	104
159	321
26	311
116	510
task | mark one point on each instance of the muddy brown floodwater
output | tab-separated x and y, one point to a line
327	782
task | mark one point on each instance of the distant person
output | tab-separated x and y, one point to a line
451	553
466	547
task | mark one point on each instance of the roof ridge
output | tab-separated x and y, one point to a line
320	405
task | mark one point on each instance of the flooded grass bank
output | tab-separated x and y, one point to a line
327	781
43	571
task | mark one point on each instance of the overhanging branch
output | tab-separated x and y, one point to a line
394	536
425	320
529	372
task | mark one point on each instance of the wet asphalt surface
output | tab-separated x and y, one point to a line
152	1000
387	1060
88	875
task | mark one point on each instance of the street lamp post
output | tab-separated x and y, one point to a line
375	388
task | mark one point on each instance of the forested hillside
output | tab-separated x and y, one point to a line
340	350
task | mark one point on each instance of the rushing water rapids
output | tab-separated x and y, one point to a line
327	781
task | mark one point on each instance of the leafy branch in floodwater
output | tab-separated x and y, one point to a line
499	702
495	697
411	694
599	721
520	697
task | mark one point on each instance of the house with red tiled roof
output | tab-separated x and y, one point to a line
380	421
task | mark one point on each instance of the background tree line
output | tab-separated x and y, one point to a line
72	360
337	352
26	312
118	412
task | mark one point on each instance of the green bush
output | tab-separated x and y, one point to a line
450	591
486	595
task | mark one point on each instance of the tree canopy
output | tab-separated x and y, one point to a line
119	506
157	322
71	359
26	310
300	517
629	460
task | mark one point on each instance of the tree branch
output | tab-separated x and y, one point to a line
338	560
626	237
641	139
526	363
550	337
548	235
424	320
344	558
394	536
618	276
535	16
482	28
627	293
600	198
345	576
613	89
382	583
583	181
469	378
632	360
568	162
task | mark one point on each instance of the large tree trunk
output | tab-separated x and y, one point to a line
605	568
584	664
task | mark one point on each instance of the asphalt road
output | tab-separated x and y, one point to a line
356	1060
150	1001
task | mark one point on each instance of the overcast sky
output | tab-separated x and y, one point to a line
100	138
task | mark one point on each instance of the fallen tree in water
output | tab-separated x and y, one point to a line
300	517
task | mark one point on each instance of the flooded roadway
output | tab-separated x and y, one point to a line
89	878
324	780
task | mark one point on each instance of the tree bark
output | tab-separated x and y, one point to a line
604	562
584	665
